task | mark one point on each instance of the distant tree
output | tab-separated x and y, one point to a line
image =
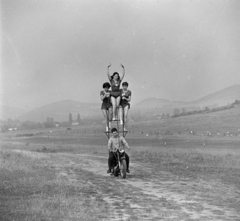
70	118
176	112
9	120
207	109
78	118
236	102
183	110
51	120
4	128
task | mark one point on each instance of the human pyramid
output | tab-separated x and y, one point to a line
115	102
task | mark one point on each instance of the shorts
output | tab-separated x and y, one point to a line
106	106
115	93
124	104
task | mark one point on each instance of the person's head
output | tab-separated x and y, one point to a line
106	86
125	85
114	132
115	76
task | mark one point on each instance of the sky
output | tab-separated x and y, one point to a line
53	50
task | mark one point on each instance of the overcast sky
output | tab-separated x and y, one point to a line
172	49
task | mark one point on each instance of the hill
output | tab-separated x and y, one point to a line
225	121
59	111
151	103
219	98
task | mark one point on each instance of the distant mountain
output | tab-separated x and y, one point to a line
59	111
7	112
219	98
157	103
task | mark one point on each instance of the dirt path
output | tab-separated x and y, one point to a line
147	193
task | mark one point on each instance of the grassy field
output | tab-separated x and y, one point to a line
175	175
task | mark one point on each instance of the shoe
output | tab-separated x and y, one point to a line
128	171
114	119
108	171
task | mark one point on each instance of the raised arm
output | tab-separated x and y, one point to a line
123	72
109	77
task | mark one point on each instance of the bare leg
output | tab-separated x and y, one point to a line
114	107
125	112
110	116
117	106
105	114
120	113
118	101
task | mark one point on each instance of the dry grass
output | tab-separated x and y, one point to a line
30	190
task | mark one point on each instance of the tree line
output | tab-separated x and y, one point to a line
178	113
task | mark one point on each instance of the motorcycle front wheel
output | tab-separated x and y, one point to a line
123	169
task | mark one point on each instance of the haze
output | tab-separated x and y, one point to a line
172	49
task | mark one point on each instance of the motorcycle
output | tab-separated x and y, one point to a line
120	167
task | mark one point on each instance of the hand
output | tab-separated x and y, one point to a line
122	66
109	65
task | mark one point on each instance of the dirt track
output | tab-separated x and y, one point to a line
148	193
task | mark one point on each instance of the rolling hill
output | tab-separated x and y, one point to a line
220	98
59	111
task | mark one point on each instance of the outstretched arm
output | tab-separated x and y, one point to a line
109	77
123	72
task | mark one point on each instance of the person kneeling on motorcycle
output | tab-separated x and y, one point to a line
116	142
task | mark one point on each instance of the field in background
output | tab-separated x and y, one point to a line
33	187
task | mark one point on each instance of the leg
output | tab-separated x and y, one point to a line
110	161
118	99
105	114
110	112
127	160
120	113
125	112
113	100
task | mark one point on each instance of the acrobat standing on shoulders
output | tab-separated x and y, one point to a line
115	81
106	104
125	103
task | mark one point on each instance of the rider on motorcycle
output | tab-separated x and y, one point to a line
116	142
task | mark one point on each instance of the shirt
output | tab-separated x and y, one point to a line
106	99
126	94
118	142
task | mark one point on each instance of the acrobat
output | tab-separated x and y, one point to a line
115	81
